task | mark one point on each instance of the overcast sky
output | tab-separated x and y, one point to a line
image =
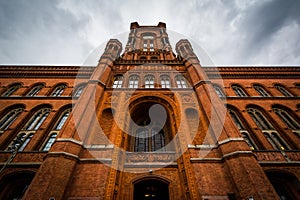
232	32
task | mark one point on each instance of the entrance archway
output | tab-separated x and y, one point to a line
286	185
151	189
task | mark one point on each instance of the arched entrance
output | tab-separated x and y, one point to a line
14	186
151	189
286	185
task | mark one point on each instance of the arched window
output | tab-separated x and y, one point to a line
62	120
283	90
149	140
133	81
260	120
20	142
165	81
78	91
11	90
118	81
55	130
148	43
276	141
297	85
9	118
149	81
287	118
261	91
37	119
236	120
25	142
248	140
35	90
180	81
219	91
239	91
49	142
58	90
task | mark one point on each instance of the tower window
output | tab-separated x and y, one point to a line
118	81
181	82
149	81
133	81
165	81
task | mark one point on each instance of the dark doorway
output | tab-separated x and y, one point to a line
151	190
286	185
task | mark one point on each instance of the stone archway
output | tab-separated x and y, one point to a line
151	189
285	184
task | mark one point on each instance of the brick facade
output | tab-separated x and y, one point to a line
223	133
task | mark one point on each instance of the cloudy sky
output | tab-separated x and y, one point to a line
232	32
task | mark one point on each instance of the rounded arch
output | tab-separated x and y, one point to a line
14	185
32	86
151	188
53	88
266	121
219	90
78	89
152	139
9	115
283	89
285	183
11	88
261	89
239	90
11	107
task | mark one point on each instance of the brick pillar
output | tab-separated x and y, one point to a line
55	173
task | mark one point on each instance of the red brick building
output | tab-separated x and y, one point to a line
147	123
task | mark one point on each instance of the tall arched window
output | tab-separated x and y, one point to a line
20	142
287	118
260	120
78	91
219	91
283	90
62	120
55	130
9	118
246	136
118	81
50	141
276	141
11	90
261	91
37	119
25	141
180	81
165	81
248	140
239	91
147	140
133	81
236	120
149	81
35	90
58	90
